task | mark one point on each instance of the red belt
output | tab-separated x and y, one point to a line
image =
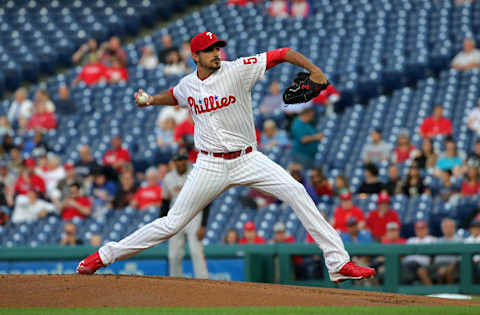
229	155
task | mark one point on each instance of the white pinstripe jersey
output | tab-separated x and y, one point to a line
221	104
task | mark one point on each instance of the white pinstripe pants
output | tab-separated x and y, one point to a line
209	178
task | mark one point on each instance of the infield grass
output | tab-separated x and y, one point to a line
396	310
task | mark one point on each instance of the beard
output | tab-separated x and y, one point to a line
213	65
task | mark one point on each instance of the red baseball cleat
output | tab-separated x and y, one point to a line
351	271
90	264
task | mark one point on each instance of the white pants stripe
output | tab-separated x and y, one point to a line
209	178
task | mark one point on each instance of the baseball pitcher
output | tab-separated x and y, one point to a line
218	95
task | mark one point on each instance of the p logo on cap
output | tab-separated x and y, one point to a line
204	40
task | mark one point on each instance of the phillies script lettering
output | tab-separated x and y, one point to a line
210	103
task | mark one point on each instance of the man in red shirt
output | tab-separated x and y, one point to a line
436	124
279	234
149	195
28	180
346	210
92	73
379	218
75	205
250	235
183	135
118	155
116	72
392	236
42	119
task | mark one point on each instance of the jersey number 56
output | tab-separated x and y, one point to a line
250	60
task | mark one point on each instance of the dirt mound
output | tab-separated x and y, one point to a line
114	290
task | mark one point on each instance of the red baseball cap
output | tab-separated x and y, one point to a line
346	196
204	40
68	166
30	162
249	226
383	198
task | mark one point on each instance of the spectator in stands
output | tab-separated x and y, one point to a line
436	124
250	235
103	191
21	109
467	59
29	207
345	211
231	237
5	127
128	188
113	50
450	159
377	150
96	240
473	239
70	178
42	119
174	64
473	158
15	162
471	184
295	169
86	52
328	97
92	73
69	235
186	54
299	8
354	234
167	47
272	137
164	132
117	156
446	266
280	235
149	59
305	138
183	136
278	8
65	105
404	149
416	266
341	185
272	101
29	179
379	218
392	235
150	195
7	182
85	166
394	182
371	184
320	183
413	185
427	157
36	145
448	188
180	114
116	72
473	119
52	175
42	96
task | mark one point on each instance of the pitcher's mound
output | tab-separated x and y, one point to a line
114	290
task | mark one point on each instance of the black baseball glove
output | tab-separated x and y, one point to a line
302	89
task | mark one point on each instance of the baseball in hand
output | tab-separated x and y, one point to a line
142	98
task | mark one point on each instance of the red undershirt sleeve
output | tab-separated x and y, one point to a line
173	96
275	57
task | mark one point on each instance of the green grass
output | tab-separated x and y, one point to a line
400	310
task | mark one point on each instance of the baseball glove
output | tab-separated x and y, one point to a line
302	89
